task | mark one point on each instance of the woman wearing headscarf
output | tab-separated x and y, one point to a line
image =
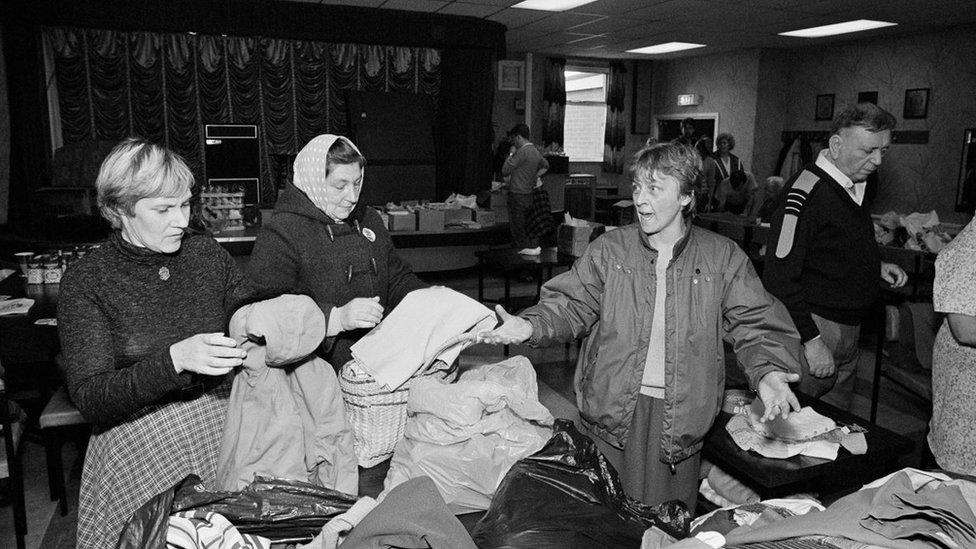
322	241
142	322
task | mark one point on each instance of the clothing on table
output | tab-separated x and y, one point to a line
286	416
120	308
643	476
413	514
951	435
205	530
304	249
713	292
523	167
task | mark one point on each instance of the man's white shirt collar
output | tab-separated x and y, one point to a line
854	190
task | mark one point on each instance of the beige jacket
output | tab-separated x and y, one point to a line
285	416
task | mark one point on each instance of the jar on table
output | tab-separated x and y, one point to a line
35	270
52	270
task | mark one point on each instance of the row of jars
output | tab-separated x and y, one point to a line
47	268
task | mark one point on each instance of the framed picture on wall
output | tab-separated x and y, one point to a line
867	97
916	103
825	107
511	75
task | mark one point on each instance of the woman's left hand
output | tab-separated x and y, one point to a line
776	395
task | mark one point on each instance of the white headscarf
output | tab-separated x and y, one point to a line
310	166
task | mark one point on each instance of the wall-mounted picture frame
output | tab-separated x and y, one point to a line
916	103
825	107
511	75
867	97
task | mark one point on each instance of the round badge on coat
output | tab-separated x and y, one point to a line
369	234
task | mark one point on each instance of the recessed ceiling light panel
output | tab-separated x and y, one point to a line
551	5
838	28
667	47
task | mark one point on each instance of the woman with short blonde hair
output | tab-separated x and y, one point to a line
142	321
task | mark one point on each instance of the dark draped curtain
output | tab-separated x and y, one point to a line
554	101
462	132
615	135
166	87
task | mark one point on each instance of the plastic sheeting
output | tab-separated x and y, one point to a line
466	435
566	496
274	508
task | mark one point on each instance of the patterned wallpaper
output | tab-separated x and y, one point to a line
913	177
728	86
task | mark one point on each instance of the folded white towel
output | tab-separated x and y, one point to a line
429	324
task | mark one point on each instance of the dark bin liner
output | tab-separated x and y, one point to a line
275	508
567	495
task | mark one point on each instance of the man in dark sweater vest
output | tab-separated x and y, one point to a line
822	261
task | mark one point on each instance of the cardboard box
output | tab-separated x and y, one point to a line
402	221
573	240
430	220
456	216
485	218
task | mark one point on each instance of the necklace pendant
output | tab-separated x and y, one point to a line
163	273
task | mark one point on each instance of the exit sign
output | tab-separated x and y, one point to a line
689	100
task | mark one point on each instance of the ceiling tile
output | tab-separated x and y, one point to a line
610	24
473	10
414	5
615	7
501	3
564	21
671	9
360	3
515	18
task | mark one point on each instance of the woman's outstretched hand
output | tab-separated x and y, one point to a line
513	329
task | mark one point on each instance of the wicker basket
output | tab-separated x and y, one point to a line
377	415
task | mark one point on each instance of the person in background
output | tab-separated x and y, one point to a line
688	137
951	436
734	192
710	180
825	264
323	241
654	300
524	166
142	322
726	162
762	203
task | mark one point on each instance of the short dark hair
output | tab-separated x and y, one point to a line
688	122
679	161
520	129
863	115
342	152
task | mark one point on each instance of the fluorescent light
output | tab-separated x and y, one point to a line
667	47
838	28
551	5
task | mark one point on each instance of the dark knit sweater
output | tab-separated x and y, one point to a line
303	249
833	265
117	318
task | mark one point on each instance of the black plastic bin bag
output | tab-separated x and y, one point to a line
567	495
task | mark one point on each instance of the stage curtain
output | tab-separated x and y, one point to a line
554	102
615	135
166	87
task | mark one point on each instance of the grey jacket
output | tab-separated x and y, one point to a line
713	294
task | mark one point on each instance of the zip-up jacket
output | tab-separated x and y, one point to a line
713	293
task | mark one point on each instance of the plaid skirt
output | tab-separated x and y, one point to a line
152	450
540	226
